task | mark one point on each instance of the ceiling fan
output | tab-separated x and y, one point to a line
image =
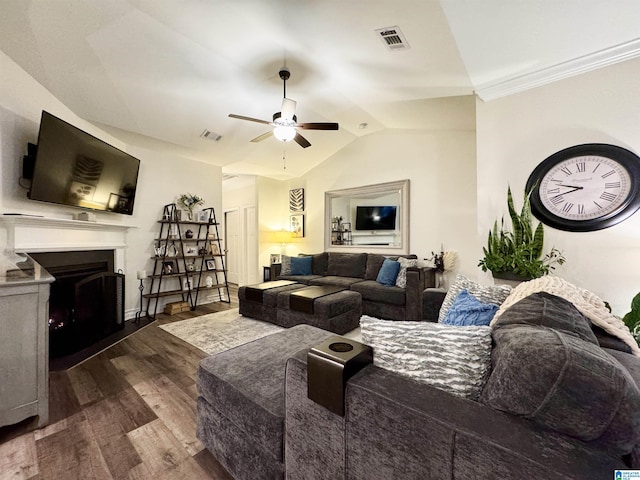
285	123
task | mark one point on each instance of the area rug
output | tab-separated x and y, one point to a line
217	332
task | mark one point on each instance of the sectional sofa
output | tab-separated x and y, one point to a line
359	272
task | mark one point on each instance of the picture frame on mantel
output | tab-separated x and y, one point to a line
297	226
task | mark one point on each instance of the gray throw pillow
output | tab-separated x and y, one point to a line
495	294
454	359
401	279
564	383
285	269
551	311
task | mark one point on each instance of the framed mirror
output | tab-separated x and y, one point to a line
371	218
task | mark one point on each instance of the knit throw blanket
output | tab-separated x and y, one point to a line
590	305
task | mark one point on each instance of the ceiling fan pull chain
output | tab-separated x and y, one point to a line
284	157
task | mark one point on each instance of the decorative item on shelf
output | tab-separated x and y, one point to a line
168	267
517	255
204	216
211	264
188	234
187	283
160	250
208	281
274	258
191	267
443	262
172	250
202	251
191	251
189	201
214	249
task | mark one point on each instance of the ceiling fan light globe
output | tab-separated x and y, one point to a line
284	133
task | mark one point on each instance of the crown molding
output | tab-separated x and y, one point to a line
592	61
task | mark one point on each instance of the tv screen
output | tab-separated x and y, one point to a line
75	168
375	218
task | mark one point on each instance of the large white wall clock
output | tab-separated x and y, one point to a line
586	187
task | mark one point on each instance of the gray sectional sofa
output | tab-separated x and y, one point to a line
557	405
358	272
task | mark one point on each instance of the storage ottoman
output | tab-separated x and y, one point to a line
330	308
241	402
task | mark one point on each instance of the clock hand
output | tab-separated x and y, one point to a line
571	186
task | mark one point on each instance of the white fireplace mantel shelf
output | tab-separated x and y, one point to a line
27	233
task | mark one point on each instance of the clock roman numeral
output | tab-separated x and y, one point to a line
567	207
609	197
581	166
598	205
612	185
610	172
566	171
557	199
597	166
553	190
580	208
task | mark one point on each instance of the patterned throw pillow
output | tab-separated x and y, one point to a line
485	293
286	265
467	310
454	359
401	279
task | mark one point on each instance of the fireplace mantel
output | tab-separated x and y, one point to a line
27	233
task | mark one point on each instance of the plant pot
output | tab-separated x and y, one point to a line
509	278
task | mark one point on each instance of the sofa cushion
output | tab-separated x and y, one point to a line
551	311
374	263
564	383
401	280
347	264
375	292
467	310
485	293
606	340
319	262
345	282
455	359
285	267
388	272
306	279
301	265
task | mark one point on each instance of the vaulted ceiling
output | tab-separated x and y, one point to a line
157	73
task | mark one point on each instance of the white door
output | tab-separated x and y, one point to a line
232	236
251	229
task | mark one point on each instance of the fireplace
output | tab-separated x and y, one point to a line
86	302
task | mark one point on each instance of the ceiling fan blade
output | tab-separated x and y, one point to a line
250	119
288	109
300	140
318	126
264	136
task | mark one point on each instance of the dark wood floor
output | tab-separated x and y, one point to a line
126	413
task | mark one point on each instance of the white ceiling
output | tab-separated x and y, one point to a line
156	73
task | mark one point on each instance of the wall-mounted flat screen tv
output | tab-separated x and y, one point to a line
75	168
375	218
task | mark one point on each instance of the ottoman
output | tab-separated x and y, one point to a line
327	307
241	402
260	301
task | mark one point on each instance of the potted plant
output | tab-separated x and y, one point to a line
189	201
518	254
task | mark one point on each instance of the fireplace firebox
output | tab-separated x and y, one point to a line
86	301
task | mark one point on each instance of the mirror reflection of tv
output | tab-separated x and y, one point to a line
77	169
375	218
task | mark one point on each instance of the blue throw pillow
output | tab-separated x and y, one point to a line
467	310
301	265
388	272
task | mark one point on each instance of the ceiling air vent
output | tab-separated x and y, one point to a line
393	38
209	135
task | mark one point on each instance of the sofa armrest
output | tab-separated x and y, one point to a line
432	299
418	278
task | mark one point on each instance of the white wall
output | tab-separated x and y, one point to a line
516	133
161	179
440	164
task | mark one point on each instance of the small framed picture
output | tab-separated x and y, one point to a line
187	283
214	249
169	267
297	226
191	251
274	258
203	216
211	264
